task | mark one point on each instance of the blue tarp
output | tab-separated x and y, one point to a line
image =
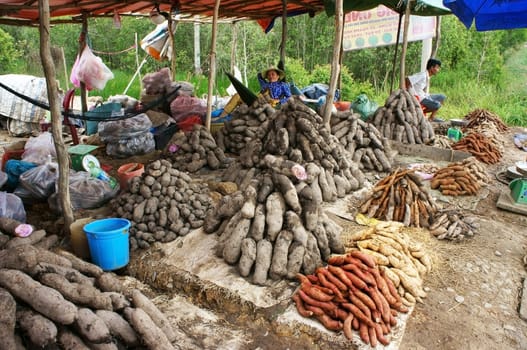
490	14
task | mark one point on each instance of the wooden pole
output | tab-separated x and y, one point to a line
395	51
66	79
82	44
171	45
234	46
212	73
56	117
335	66
284	32
402	73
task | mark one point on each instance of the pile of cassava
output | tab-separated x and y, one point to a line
401	196
480	146
453	225
196	149
274	226
162	204
402	119
53	299
465	177
364	142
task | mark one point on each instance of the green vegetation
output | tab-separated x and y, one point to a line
484	70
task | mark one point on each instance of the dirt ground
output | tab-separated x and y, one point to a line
474	290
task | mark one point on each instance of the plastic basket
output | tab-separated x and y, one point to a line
105	110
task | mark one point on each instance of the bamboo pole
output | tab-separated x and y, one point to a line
335	67
212	73
56	118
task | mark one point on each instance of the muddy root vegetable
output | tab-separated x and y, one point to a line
139	300
151	335
7	319
45	300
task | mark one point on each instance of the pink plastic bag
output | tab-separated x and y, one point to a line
90	70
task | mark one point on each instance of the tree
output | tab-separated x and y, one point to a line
9	53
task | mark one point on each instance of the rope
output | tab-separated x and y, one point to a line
108	116
114	53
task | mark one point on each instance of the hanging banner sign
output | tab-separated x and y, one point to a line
378	27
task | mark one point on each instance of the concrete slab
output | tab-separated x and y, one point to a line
523	302
189	265
506	202
429	152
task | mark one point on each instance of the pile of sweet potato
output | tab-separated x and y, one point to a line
351	293
402	119
162	204
54	299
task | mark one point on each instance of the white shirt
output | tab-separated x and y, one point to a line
420	83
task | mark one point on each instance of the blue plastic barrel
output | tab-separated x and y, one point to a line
108	242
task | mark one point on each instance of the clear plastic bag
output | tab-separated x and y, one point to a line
140	144
40	181
91	70
39	149
86	192
113	131
12	207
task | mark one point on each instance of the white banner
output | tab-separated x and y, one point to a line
378	27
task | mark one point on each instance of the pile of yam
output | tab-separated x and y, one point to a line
460	178
297	134
453	225
401	196
162	204
58	301
195	150
351	293
245	120
480	146
273	228
369	148
403	260
402	119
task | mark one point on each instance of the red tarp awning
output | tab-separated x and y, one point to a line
27	11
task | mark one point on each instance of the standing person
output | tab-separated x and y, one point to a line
272	85
419	85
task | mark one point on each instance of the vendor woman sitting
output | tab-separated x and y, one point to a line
272	85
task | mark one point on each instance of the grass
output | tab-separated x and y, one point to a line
509	101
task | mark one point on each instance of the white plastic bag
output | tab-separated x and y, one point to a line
39	149
90	70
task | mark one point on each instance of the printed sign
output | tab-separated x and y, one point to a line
378	27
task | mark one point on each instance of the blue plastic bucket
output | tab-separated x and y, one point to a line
108	242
